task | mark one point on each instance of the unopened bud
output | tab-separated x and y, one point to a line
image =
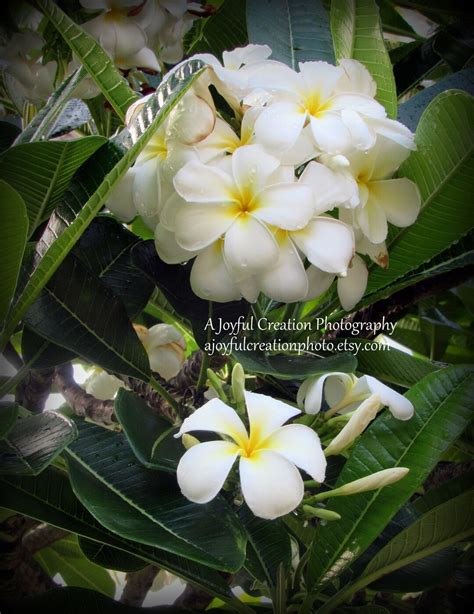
358	422
319	512
216	383
238	383
189	441
370	482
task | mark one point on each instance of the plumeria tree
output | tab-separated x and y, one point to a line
237	247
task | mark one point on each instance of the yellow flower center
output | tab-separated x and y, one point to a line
314	105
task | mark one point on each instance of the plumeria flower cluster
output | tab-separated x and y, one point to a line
280	195
165	347
271	452
140	34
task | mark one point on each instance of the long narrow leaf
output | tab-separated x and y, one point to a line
53	248
94	59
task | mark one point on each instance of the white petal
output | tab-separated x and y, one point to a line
362	136
400	407
245	55
210	278
372	220
387	157
318	282
144	58
191	120
204	468
351	288
310	394
266	414
120	200
218	417
327	243
279	125
197	226
320	78
103	385
271	485
167	361
377	252
273	76
199	183
251	167
168	250
221	140
162	334
286	281
300	445
147	188
395	131
330	133
359	102
249	247
303	150
330	188
399	198
287	206
356	78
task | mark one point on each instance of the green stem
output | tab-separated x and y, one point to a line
163	392
203	372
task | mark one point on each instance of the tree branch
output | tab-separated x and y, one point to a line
33	391
138	583
82	403
41	537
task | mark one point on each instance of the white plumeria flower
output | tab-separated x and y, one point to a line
344	392
239	203
326	98
165	347
103	385
268	457
231	76
350	288
379	198
148	185
119	32
25	76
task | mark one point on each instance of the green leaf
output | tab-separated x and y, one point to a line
442	167
66	558
65	229
77	311
94	59
297	30
106	250
441	527
148	434
8	416
34	442
223	31
442	402
49	498
44	121
457	256
13	231
357	34
409	112
294	367
105	475
392	21
268	547
109	557
41	172
40	353
392	365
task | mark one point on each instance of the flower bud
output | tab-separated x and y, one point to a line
165	347
319	512
376	480
358	422
189	441
238	383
